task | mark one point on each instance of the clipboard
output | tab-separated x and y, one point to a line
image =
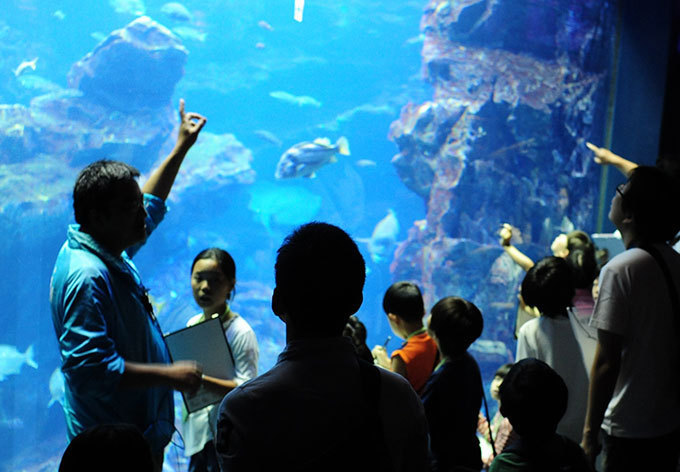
206	344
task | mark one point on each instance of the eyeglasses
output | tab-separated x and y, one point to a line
620	187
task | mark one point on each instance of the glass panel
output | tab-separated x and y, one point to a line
459	116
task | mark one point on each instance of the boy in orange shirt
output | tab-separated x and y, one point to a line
415	360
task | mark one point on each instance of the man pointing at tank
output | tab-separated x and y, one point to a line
114	360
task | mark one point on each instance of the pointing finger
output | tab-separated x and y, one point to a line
181	109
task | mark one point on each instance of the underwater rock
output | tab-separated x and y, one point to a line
133	68
216	161
516	92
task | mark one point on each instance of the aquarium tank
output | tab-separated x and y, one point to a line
458	116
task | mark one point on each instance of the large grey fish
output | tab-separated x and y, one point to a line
384	237
304	159
11	360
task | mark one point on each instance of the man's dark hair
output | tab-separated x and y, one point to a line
97	184
405	300
652	198
533	397
456	323
320	276
108	448
549	286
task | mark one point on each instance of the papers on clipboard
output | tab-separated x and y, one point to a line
206	344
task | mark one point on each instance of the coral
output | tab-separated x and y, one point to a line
501	139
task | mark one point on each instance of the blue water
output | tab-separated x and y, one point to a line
362	61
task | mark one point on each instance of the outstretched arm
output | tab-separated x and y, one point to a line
181	375
515	254
604	156
162	178
603	377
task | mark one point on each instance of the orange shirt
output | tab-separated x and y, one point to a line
419	353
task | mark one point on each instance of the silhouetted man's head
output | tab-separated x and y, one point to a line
533	398
320	276
108	448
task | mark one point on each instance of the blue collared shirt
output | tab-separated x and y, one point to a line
101	319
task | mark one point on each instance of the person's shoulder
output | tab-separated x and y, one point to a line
508	461
241	324
395	383
194	320
529	327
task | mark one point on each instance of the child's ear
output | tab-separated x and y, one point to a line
392	317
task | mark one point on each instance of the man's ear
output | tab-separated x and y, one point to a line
278	305
356	303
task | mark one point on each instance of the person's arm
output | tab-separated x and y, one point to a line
603	377
163	177
604	156
183	375
515	254
380	357
398	366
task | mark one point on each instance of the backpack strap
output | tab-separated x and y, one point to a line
672	290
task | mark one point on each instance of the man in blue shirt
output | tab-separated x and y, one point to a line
114	360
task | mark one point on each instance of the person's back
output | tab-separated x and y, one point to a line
320	407
453	394
550	338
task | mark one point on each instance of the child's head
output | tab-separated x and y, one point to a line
213	277
404	299
498	378
534	398
549	286
455	323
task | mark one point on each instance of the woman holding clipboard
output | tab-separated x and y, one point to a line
213	277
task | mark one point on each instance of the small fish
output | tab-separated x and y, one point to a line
187	32
98	36
301	100
57	387
129	7
260	45
490	347
366	163
25	65
383	238
177	12
304	159
269	137
11	360
264	25
59	15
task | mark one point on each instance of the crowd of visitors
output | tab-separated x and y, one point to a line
590	373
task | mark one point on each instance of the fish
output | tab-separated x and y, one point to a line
11	360
177	12
299	100
260	45
98	36
59	15
129	7
57	387
366	163
25	65
264	25
282	205
268	136
304	159
383	238
490	347
192	34
38	84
